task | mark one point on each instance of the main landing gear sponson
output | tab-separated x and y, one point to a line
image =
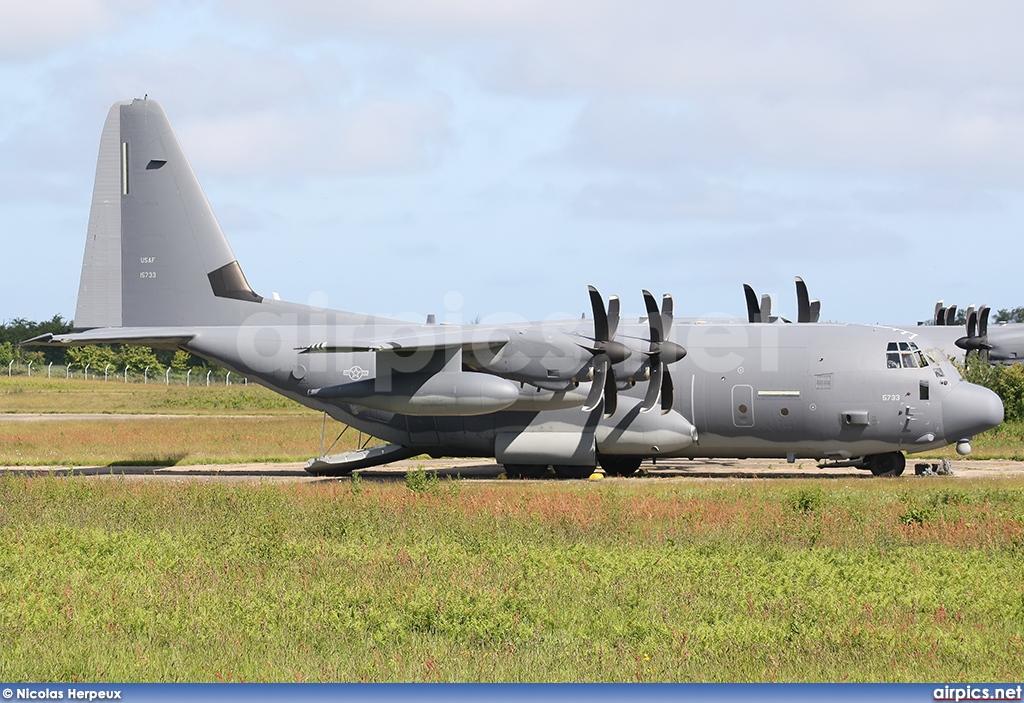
891	464
620	465
545	471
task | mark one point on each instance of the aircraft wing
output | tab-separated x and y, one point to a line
430	339
160	337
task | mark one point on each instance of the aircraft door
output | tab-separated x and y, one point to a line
743	406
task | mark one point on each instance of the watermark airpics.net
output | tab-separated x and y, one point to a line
967	692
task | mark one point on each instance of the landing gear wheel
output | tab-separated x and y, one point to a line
525	470
891	464
620	465
573	471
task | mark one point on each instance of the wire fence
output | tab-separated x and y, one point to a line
198	376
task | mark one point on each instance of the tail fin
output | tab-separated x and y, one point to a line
155	255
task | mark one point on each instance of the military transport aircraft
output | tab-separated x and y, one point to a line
158	271
1003	343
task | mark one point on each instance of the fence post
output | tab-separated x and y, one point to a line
126	367
48	368
145	375
30	369
167	376
105	370
227	379
87	372
67	372
188	378
9	367
208	376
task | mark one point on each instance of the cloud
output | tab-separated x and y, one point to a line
33	29
814	239
370	137
684	199
918	86
634	136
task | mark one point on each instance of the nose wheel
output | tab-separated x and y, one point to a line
891	464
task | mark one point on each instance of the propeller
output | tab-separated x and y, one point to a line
977	331
662	352
766	308
757	312
753	307
607	352
807	310
945	317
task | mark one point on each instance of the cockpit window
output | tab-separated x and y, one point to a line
904	355
892	357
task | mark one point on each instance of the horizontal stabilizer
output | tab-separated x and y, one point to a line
160	337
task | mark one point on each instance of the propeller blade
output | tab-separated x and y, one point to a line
766	308
667	393
611	393
938	318
753	308
950	316
654	318
972	324
803	301
815	310
654	387
667	309
613	316
600	317
983	322
597	385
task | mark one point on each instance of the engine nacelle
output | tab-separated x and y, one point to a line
535	355
645	434
447	393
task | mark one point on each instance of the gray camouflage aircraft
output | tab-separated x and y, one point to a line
1003	343
570	395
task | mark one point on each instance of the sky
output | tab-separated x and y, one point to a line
488	160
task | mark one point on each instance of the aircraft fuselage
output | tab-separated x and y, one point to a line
747	390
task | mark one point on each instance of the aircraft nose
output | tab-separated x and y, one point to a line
968	410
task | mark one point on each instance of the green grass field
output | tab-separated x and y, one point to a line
209	425
512	581
38	394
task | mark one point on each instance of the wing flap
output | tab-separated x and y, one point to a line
427	341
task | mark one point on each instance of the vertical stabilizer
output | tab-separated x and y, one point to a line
99	291
155	254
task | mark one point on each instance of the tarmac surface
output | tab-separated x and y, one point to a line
488	470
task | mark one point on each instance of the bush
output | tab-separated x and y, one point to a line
420	481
